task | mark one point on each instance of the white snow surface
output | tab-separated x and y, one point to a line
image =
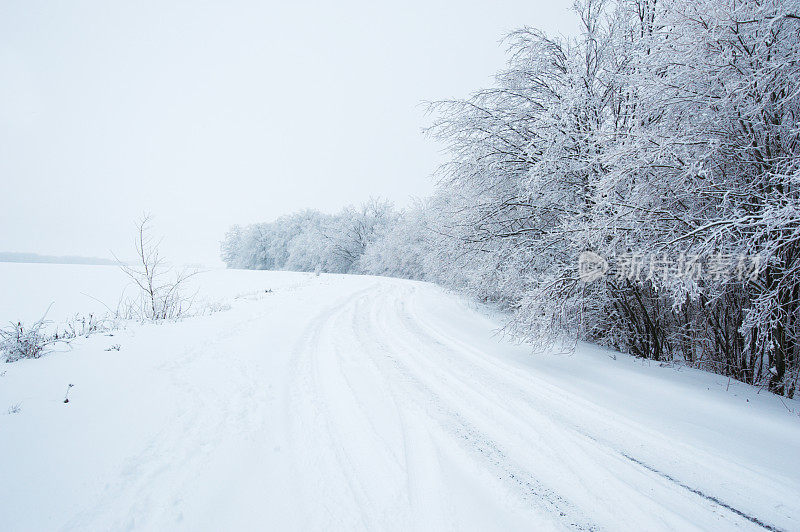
355	402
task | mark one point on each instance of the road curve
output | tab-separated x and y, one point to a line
416	427
363	403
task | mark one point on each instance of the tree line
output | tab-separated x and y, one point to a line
662	143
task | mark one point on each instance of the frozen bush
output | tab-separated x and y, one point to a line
19	341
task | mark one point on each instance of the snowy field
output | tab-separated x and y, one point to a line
28	290
355	402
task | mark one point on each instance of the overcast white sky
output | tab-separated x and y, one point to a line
213	113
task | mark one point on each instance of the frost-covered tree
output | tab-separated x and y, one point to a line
310	240
401	248
707	165
353	230
520	180
666	130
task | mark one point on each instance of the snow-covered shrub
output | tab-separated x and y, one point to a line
84	325
19	341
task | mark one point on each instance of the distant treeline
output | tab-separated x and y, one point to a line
374	238
10	256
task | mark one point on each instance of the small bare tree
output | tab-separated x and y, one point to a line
161	287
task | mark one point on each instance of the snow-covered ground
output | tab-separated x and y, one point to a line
351	402
27	291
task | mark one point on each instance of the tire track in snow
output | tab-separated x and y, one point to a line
709	498
458	389
419	327
453	422
308	404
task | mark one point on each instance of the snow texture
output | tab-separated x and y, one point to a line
342	402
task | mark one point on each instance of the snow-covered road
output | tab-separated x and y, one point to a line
347	402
